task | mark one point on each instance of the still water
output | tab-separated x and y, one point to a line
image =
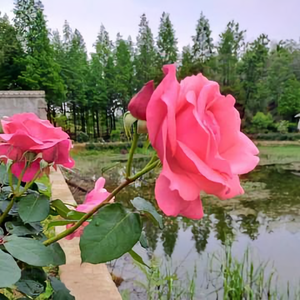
265	219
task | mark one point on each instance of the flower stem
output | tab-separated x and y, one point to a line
132	149
7	210
96	208
10	179
21	177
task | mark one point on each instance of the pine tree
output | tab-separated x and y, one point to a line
103	45
41	71
186	65
252	69
229	51
289	101
10	54
166	41
79	67
124	73
203	46
145	54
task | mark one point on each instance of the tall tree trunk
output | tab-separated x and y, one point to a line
94	127
113	121
75	121
49	112
83	128
98	123
107	124
54	115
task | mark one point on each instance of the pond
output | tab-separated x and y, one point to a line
266	219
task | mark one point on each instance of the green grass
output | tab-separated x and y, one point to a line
163	283
269	154
279	154
227	277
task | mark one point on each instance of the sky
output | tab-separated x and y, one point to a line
277	18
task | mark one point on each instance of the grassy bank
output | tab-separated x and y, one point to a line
275	152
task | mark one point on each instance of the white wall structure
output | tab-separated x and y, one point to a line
13	102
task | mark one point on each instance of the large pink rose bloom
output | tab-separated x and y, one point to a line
196	133
92	199
26	133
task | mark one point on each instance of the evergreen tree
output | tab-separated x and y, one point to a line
278	73
229	51
103	45
186	66
203	47
11	53
79	67
96	93
41	71
145	54
252	70
289	101
166	41
124	73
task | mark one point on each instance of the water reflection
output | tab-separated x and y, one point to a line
266	218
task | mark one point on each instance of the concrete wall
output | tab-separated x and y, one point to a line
85	281
13	102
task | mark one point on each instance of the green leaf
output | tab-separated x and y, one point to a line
2	297
10	273
75	215
4	176
112	232
14	209
58	254
19	229
60	290
143	241
65	212
60	223
137	258
28	250
33	208
30	287
32	282
146	207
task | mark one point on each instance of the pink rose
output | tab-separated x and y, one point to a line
92	199
24	134
138	104
196	133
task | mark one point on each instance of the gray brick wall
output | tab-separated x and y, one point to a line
12	102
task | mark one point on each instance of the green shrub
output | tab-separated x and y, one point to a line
62	121
115	135
262	122
293	127
275	136
283	126
82	137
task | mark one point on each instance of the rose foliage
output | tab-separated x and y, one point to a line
195	132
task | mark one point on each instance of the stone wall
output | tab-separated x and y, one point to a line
13	102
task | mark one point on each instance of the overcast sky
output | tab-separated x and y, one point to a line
279	19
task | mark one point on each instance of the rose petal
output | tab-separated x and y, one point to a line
172	204
138	104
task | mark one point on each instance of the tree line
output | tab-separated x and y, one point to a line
88	93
